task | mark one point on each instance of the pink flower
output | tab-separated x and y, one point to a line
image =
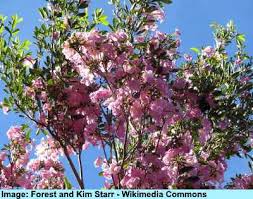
193	112
187	57
139	39
86	145
34	164
99	95
245	80
205	132
179	83
110	170
160	36
38	83
190	158
29	62
208	51
238	61
188	75
74	98
115	106
47	107
107	185
133	182
43	96
159	108
2	156
118	36
115	169
177	32
204	155
154	44
98	162
223	124
55	35
14	133
148	76
24	182
132	178
121	130
29	92
23	160
158	14
136	110
42	119
4	108
169	155
243	182
210	100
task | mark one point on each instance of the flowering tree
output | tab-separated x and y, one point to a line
119	86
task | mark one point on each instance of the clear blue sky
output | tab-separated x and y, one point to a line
192	17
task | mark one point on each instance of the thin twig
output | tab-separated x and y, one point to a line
81	167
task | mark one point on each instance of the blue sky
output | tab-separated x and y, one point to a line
192	17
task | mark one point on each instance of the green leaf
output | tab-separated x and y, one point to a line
196	50
28	135
103	20
44	131
24	127
241	38
16	31
43	12
16	20
2	18
38	131
8	29
67	184
50	82
25	45
83	5
166	1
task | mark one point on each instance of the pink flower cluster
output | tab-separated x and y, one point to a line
130	82
45	172
242	182
137	102
68	110
169	166
17	152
